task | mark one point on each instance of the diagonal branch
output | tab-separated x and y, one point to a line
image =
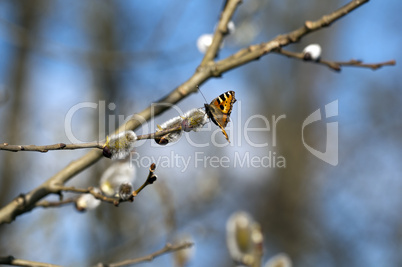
220	31
336	65
10	260
254	52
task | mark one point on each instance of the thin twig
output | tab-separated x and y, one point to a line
10	260
159	133
46	148
220	31
169	248
150	179
254	52
52	204
90	190
62	146
336	65
115	201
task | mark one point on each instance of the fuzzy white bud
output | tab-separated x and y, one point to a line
280	260
243	237
170	137
238	235
117	174
125	191
204	42
183	257
194	120
120	145
231	27
87	201
312	52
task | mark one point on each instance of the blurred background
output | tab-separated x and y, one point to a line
56	54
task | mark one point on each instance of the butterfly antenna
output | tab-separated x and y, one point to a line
199	90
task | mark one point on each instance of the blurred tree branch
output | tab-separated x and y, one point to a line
90	190
207	69
20	37
10	260
115	201
52	204
220	32
169	248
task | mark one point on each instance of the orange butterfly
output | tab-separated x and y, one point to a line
219	110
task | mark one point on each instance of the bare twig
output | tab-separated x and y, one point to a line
254	52
10	260
62	146
150	179
336	65
158	133
90	190
169	248
52	204
43	149
207	69
115	201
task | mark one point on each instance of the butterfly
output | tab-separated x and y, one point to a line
219	110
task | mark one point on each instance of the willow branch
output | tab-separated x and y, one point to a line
220	31
52	204
91	190
336	65
62	146
10	260
159	133
46	148
150	179
204	72
254	52
169	248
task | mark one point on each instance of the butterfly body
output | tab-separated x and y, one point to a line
219	110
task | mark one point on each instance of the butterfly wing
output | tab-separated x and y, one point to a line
219	110
224	132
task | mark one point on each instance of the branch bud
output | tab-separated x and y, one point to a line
117	174
120	145
312	52
87	202
194	120
170	137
